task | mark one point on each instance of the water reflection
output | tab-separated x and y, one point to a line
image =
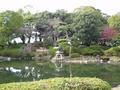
28	72
12	69
58	66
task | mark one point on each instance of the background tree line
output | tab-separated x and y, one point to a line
84	26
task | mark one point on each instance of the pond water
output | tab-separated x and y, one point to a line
20	71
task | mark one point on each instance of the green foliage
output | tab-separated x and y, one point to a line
62	15
113	51
114	21
25	31
43	18
92	50
61	40
74	55
48	42
75	42
8	52
75	83
65	46
3	40
14	53
10	21
52	51
87	21
115	41
16	45
29	55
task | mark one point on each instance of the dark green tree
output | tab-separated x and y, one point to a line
47	25
10	21
87	22
25	31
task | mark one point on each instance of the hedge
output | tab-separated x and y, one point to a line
74	55
91	50
52	51
113	51
14	53
75	83
10	52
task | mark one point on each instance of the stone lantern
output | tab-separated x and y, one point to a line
59	55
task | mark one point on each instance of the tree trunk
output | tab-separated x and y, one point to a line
23	39
36	36
29	38
40	39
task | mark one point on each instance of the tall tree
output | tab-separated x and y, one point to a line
46	24
63	15
87	21
10	21
25	32
114	21
42	26
65	28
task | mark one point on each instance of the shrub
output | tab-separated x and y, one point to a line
62	40
52	51
32	54
63	43
14	53
75	49
92	50
65	46
47	42
73	55
75	83
114	51
10	52
15	45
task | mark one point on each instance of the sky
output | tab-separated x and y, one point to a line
109	7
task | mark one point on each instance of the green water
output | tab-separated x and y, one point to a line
20	71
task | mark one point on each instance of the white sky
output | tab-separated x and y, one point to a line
106	6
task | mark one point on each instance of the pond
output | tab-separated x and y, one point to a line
20	71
